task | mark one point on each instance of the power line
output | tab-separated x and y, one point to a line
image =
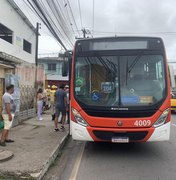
65	19
44	14
59	18
115	23
47	22
80	13
30	8
93	20
61	24
73	16
35	10
110	32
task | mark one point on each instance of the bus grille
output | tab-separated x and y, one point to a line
120	114
107	135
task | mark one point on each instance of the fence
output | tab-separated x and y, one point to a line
27	104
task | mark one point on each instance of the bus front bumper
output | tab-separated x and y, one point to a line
82	133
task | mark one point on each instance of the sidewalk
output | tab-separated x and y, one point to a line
35	148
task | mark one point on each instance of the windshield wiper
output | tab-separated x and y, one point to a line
134	63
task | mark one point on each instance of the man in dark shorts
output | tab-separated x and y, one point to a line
60	106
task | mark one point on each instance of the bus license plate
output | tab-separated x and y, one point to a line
120	139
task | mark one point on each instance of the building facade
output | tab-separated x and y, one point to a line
17	34
53	71
17	57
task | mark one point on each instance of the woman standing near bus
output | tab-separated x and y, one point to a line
40	98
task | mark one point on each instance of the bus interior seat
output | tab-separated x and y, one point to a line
145	86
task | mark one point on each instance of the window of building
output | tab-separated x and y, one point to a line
27	46
51	67
60	68
5	33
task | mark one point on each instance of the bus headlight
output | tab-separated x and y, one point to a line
161	120
79	119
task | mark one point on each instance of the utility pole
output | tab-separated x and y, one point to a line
36	53
84	33
36	59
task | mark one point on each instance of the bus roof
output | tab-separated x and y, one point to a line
120	38
118	43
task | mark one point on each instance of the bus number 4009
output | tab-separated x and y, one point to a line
141	123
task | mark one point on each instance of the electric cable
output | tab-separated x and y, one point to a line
48	23
80	14
43	19
60	18
73	17
64	17
93	16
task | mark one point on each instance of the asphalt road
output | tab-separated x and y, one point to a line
106	161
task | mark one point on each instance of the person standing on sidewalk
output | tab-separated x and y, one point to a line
40	98
68	103
8	112
60	106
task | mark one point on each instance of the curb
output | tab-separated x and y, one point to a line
51	159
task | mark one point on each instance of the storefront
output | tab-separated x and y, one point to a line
3	70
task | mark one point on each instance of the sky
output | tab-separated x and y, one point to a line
115	17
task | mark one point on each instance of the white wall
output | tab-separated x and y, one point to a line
12	20
1	73
57	77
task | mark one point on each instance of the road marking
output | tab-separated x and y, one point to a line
77	163
174	125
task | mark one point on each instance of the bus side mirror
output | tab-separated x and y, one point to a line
65	68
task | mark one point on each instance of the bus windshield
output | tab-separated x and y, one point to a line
119	80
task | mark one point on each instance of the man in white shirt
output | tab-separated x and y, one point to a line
8	112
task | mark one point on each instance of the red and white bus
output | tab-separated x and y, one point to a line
120	90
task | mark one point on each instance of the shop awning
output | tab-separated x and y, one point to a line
7	58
